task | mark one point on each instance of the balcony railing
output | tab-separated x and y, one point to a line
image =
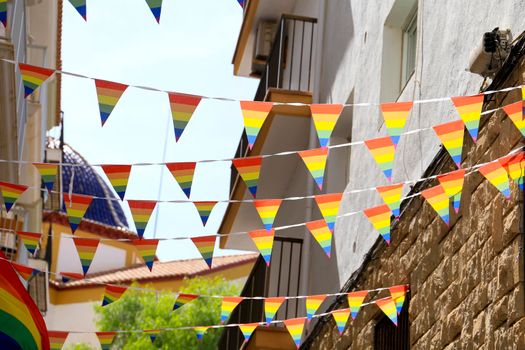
282	278
289	65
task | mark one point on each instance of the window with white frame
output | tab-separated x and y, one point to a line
409	47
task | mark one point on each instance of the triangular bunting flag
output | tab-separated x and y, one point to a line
71	276
438	199
118	176
106	339
241	2
388	306
31	240
3	12
141	212
391	195
452	183
379	217
322	235
325	117
227	306
313	302
80	6
271	306
57	339
147	249
267	209
249	169
451	136
33	77
515	167
152	334
182	108
295	327
112	294
341	318
86	249
48	173
183	299
206	246
204	209
11	193
329	206
199	332
497	176
515	113
398	294
469	109
109	93
355	300
315	161
254	114
26	272
383	151
395	115
183	174
247	330
263	240
76	207
155	7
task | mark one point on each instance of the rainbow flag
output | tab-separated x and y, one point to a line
313	302
341	318
57	339
469	109
183	174
31	240
452	183
48	174
33	77
515	167
182	108
515	113
3	12
388	306
118	176
26	272
398	294
379	217
113	293
395	115
205	245
355	300
86	249
325	117
438	199
322	235
497	176
451	136
242	3
141	212
204	209
11	193
267	209
271	306
383	151
76	207
391	195
80	6
109	93
329	207
254	114
249	169
106	339
229	304
199	332
156	7
183	299
69	276
247	330
295	327
263	240
147	249
152	334
315	161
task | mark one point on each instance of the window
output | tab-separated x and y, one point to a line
37	288
389	337
409	47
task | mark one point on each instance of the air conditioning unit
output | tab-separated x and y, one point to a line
491	52
263	45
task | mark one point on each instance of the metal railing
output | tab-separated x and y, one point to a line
289	65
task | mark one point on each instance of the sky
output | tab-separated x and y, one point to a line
189	52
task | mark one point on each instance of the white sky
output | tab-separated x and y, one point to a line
190	51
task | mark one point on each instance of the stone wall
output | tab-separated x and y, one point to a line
467	281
